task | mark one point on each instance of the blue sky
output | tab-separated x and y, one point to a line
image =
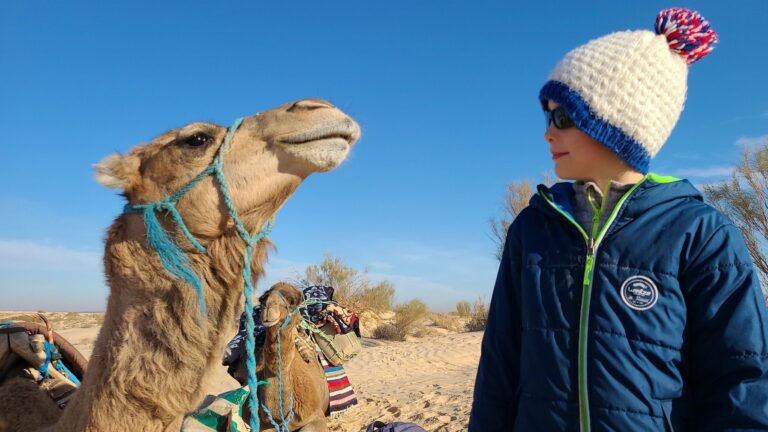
445	92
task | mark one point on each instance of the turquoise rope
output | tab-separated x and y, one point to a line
176	262
250	343
173	258
59	364
279	374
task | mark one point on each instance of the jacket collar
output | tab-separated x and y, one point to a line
652	191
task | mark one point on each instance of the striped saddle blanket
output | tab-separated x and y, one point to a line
342	396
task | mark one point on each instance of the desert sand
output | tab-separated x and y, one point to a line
427	381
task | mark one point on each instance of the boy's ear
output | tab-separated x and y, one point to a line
118	171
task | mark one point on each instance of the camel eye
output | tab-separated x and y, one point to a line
197	140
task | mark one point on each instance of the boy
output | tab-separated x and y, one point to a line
623	302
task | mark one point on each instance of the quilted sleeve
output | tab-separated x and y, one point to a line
727	336
497	386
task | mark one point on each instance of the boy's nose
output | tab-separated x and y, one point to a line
549	136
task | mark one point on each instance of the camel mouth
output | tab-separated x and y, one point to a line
270	323
339	132
324	147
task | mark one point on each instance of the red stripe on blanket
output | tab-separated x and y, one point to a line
338	382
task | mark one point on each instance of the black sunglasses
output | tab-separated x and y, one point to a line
559	117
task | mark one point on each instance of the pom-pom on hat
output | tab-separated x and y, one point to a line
627	89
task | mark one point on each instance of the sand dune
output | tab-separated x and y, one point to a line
427	381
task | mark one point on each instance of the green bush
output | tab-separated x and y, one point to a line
410	316
351	286
463	308
378	297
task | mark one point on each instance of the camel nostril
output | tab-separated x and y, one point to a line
309	104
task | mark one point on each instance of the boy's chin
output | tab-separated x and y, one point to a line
565	173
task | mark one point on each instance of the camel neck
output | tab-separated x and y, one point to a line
269	359
154	351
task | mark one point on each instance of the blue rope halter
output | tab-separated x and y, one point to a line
176	262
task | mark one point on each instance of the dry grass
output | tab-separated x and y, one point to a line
408	320
463	308
388	332
479	317
409	317
448	321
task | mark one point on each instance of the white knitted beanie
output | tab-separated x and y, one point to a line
627	89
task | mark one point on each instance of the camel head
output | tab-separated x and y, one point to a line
277	302
268	157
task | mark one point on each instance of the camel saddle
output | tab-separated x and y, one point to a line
34	351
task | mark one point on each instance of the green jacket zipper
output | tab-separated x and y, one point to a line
593	242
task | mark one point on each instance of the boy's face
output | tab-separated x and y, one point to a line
576	155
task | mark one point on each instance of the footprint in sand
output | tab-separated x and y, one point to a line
395	411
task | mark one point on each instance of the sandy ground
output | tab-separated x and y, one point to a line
427	381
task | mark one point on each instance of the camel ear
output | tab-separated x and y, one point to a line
118	171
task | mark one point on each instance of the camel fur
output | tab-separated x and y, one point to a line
154	352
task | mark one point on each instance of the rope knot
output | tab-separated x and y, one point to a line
165	205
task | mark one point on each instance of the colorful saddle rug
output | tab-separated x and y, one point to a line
342	395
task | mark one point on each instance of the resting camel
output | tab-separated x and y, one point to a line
155	350
300	376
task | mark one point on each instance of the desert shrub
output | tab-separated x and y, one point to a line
479	317
410	316
744	200
388	332
333	271
446	321
351	286
378	297
463	308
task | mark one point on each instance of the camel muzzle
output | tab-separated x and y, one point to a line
270	317
345	130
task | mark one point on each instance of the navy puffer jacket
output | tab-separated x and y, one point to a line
658	323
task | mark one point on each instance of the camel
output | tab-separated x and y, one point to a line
302	378
155	349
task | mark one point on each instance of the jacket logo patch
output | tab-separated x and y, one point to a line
639	293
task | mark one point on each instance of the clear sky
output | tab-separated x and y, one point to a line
445	92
